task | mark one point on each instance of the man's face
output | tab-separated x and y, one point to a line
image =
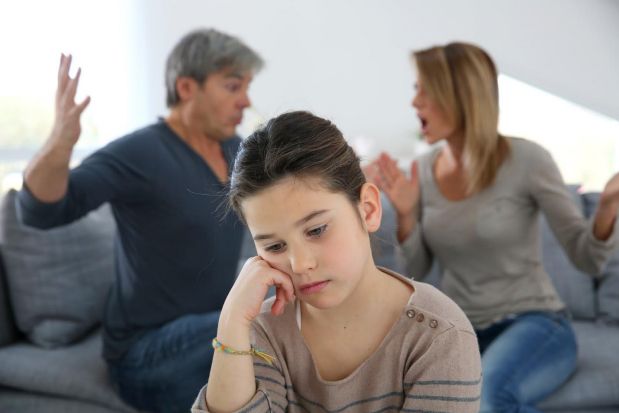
218	104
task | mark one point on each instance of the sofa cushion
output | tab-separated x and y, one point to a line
608	289
8	333
76	372
23	402
608	292
576	289
58	279
596	380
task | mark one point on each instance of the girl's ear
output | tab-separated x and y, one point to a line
370	207
186	87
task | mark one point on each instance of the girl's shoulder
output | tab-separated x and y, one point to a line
428	305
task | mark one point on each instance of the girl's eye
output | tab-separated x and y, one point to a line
317	232
275	247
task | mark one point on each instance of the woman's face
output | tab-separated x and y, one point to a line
435	124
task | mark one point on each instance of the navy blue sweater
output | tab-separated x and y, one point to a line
176	251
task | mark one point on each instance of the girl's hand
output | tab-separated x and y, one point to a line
402	192
245	299
67	129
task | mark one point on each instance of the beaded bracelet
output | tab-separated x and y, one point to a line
218	345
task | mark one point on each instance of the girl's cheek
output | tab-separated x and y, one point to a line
278	264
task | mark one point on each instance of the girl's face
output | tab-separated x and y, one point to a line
435	124
315	236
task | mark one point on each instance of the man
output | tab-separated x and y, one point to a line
175	255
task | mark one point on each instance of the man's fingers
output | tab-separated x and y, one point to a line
67	98
62	78
62	70
80	108
72	86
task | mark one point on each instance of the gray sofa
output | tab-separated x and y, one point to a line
64	371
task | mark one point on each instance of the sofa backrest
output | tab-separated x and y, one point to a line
576	288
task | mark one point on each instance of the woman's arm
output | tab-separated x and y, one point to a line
403	192
606	214
404	195
588	244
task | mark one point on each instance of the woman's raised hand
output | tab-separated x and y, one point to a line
403	192
67	129
245	299
606	214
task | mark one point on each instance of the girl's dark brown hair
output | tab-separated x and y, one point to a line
299	145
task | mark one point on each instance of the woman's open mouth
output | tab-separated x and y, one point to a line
424	123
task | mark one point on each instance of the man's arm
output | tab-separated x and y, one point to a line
47	174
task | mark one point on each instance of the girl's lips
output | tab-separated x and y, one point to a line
313	287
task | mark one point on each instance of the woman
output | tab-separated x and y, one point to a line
328	340
473	204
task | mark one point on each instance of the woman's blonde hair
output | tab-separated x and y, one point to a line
461	79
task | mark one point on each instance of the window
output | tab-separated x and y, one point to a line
99	39
584	143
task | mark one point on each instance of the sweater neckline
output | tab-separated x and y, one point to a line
392	331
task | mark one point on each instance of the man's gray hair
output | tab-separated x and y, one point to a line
203	52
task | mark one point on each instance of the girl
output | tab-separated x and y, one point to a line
340	333
490	190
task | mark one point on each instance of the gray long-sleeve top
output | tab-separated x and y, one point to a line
488	244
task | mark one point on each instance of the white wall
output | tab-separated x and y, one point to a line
347	60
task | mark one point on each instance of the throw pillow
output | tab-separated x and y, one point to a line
58	279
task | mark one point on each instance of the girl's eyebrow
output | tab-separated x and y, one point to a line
300	222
